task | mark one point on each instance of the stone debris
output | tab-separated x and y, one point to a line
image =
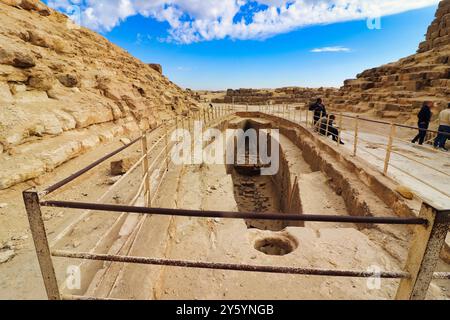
122	166
20	238
70	88
113	180
75	244
405	192
8	245
6	256
47	216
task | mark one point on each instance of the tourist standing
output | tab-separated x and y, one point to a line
444	129
319	110
424	122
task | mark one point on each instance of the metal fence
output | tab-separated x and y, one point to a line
431	225
386	130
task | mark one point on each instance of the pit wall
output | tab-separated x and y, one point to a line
324	157
90	269
289	195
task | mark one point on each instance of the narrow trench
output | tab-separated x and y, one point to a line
254	192
258	193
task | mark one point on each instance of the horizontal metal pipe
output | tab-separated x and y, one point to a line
77	174
229	266
236	215
379	122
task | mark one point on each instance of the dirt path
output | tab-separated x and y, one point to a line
14	229
202	187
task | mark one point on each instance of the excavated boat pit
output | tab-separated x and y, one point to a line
313	178
254	192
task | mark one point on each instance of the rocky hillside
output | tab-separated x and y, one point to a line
275	96
397	89
65	89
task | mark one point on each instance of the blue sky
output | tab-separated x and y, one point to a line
214	55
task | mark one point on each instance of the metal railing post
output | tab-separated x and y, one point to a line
355	144
145	173
328	126
166	131
389	149
183	126
33	208
189	124
423	255
340	130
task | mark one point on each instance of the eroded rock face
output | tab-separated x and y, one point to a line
397	90
289	95
438	34
392	91
156	67
58	83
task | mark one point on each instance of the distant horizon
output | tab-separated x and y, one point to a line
261	44
262	88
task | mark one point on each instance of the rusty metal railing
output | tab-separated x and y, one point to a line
306	117
429	237
235	215
32	197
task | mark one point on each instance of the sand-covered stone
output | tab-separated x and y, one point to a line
405	192
58	81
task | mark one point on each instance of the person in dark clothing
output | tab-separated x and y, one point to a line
319	110
444	129
326	125
424	122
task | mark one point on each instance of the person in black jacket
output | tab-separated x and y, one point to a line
424	122
319	110
327	128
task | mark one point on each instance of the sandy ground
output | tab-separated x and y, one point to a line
202	187
208	187
231	241
14	228
423	169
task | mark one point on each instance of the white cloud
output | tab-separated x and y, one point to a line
331	49
181	68
203	20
